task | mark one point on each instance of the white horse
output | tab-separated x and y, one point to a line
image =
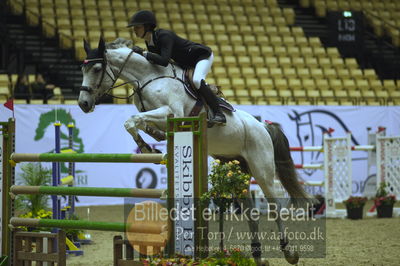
262	148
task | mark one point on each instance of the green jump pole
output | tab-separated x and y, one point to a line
73	224
89	157
88	191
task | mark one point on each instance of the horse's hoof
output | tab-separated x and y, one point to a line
291	257
261	262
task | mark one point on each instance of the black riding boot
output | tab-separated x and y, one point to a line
218	117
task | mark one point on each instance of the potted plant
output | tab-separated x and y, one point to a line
229	183
317	208
33	206
33	174
225	257
355	207
384	202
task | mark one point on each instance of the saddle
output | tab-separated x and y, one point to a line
193	92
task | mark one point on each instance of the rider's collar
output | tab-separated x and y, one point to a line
151	42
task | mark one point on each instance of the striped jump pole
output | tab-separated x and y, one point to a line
321	148
187	178
89	157
309	166
89	225
72	224
88	191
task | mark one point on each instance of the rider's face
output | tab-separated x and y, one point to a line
139	31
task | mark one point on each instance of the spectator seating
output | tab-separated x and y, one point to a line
260	56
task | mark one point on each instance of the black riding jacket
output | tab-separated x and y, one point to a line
168	45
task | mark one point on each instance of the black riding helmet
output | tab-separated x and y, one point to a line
143	17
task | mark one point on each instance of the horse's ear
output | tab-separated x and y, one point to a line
102	46
86	45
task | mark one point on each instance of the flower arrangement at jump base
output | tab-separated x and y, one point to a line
355	207
229	183
41	214
384	202
233	257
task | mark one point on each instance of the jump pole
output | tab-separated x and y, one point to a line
88	191
177	128
321	148
337	170
71	224
88	157
87	225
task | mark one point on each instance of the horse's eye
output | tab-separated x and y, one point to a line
97	69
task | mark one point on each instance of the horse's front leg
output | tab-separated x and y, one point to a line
146	122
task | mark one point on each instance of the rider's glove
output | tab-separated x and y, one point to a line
138	50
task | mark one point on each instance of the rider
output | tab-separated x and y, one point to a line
163	45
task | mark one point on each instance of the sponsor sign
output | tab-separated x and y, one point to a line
184	193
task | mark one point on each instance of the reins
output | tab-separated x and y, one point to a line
139	90
115	77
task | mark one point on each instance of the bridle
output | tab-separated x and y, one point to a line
106	69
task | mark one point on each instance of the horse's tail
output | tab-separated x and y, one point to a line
284	165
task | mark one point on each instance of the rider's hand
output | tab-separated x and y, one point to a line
138	50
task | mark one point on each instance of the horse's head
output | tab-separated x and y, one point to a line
98	77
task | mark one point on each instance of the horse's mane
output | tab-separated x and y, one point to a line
119	43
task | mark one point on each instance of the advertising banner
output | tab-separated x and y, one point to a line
184	192
103	131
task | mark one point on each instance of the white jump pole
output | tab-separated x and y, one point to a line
321	148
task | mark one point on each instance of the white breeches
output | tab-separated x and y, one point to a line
201	70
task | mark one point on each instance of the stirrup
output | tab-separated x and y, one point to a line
218	119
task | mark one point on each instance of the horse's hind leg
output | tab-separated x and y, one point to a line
291	256
263	170
248	206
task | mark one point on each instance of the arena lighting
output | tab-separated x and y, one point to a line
347	14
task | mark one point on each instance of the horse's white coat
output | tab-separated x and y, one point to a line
243	136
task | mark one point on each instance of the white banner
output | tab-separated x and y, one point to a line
103	132
184	193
